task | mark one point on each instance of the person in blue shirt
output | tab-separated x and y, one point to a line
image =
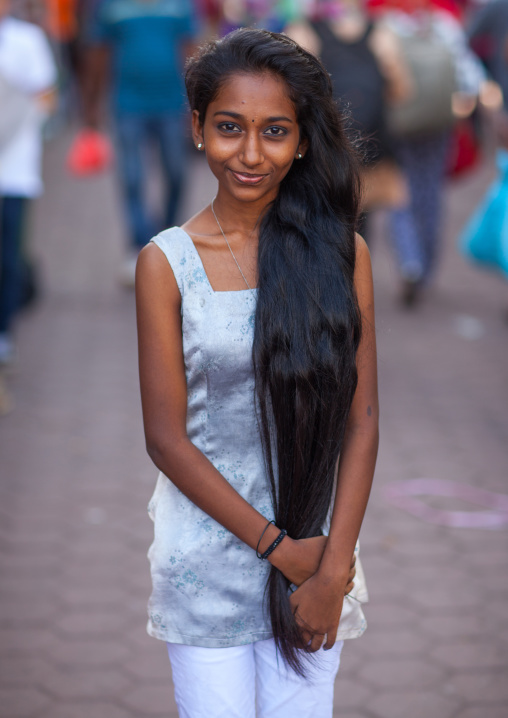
140	46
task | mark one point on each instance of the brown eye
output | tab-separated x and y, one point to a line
229	127
276	131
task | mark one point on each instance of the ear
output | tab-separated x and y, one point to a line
197	129
303	147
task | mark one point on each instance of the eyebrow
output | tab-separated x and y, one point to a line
238	116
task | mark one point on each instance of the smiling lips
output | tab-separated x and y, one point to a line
245	178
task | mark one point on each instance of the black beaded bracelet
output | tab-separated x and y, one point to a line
264	556
264	531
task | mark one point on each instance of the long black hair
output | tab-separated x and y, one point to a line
307	327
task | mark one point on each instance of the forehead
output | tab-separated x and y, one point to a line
262	94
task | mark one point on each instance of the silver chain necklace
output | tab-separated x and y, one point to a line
229	246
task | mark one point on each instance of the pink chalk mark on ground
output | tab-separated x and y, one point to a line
406	496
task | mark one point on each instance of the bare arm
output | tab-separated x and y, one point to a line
386	48
302	33
318	602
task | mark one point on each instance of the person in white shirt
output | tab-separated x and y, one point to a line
27	77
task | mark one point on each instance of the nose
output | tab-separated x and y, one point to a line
251	154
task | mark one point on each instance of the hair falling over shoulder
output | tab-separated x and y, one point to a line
308	325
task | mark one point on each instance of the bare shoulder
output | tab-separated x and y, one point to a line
363	274
154	276
363	262
360	243
151	261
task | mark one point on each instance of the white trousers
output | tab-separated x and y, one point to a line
233	682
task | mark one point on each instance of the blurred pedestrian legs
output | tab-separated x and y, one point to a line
27	74
133	134
415	228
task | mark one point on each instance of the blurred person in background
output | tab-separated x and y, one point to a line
269	14
141	45
421	129
363	59
61	22
27	78
488	35
484	240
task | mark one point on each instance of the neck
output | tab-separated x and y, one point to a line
243	217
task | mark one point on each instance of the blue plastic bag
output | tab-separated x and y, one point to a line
484	240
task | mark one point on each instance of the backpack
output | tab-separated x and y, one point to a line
432	69
358	85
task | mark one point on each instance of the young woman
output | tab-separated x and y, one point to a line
258	368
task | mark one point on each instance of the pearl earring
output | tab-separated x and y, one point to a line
200	145
299	156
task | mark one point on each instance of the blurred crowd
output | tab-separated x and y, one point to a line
423	84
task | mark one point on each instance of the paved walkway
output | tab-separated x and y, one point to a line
75	482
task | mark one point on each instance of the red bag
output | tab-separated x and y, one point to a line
91	152
464	150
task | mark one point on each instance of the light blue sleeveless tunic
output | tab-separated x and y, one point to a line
208	586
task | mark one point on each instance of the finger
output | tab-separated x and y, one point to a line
331	637
353	560
307	637
316	643
349	587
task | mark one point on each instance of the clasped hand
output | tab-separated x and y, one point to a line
317	602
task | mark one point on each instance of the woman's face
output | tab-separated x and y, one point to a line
251	136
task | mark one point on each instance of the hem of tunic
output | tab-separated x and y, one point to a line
240	640
352	633
206	641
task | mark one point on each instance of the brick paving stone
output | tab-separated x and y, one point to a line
23	671
85	709
87	652
34	611
22	702
150	698
151	664
483	710
392	614
395	642
21	641
495	558
408	672
351	693
424	577
92	571
497	612
25	584
484	687
36	559
84	684
91	623
454	594
478	654
496	587
414	704
443	628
